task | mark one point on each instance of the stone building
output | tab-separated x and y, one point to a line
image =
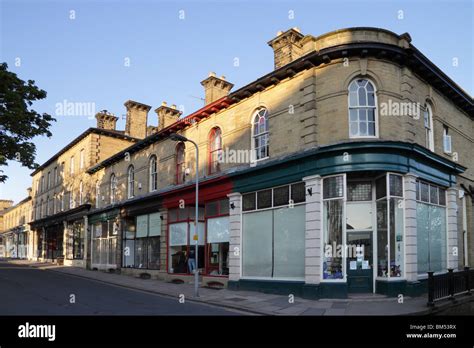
63	192
17	239
345	169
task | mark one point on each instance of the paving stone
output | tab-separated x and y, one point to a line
314	311
335	311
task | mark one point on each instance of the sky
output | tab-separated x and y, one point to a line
106	52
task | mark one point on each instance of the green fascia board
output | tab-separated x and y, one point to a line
103	216
362	156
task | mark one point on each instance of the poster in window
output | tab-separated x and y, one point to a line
142	226
155	225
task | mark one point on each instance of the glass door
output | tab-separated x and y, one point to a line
359	261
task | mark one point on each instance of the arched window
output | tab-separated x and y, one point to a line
362	109
180	163
97	194
215	150
131	182
260	134
153	174
113	188
428	122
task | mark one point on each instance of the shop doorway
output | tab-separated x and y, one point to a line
360	262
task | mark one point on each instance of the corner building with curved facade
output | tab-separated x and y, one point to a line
348	168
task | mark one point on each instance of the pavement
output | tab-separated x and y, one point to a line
239	302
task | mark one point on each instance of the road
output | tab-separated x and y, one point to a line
30	291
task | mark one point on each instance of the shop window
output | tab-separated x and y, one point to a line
215	150
217	238
273	243
390	216
298	193
260	134
281	195
274	197
332	236
362	109
359	191
264	199
75	242
248	201
142	240
129	232
333	187
431	228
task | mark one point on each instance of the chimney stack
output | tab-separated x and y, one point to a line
106	120
215	87
137	118
167	115
286	47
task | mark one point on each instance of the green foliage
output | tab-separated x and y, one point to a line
19	123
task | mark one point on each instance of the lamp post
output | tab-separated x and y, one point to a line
177	137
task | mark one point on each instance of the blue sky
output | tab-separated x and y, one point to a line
84	59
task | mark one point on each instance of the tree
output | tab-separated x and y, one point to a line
19	123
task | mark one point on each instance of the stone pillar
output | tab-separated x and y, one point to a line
65	239
235	250
411	258
313	228
452	228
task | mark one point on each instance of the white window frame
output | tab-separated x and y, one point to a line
81	159
357	107
447	143
113	188
254	136
130	182
71	165
428	126
80	192
153	174
344	200
97	194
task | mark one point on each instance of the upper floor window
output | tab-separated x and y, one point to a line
215	150
81	159
48	183
153	174
362	109
55	175
113	188
71	165
428	122
42	184
180	170
446	140
97	194
260	134
131	182
81	193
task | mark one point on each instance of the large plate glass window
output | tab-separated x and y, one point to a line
217	239
431	228
390	217
333	215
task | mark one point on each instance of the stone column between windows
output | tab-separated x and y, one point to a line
452	228
235	250
313	230
411	258
86	241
